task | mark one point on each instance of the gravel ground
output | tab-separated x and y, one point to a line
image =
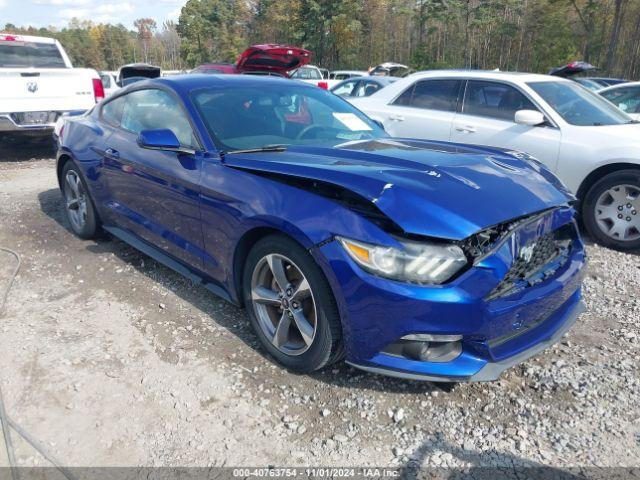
110	359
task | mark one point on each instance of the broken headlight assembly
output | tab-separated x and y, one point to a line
424	263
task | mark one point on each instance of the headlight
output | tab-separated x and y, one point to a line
417	262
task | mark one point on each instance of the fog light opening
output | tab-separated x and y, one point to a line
426	347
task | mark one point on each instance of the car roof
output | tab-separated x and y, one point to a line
489	74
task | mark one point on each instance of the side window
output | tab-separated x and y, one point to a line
112	111
494	100
154	109
404	100
346	89
626	99
432	95
366	88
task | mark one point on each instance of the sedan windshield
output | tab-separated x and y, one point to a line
579	106
252	117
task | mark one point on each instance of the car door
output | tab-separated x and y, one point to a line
424	110
154	194
487	118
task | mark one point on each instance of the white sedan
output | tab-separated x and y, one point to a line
592	146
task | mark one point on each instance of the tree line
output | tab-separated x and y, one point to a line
522	35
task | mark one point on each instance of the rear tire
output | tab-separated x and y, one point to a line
611	210
292	311
79	208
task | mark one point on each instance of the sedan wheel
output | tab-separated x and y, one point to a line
291	305
78	205
284	304
611	210
617	212
76	201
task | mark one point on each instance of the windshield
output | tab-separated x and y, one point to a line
37	55
276	114
307	73
579	106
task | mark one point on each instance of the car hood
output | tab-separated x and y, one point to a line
272	58
435	189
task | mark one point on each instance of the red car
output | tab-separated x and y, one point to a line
268	59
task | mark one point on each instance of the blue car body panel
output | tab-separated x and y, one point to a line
197	210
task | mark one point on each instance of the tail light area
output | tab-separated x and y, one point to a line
98	90
323	85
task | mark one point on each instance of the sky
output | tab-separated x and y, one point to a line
43	13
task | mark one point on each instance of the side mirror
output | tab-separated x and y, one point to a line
162	139
529	117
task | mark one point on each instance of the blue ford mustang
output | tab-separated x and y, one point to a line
423	260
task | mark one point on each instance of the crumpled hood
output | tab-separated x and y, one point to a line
436	189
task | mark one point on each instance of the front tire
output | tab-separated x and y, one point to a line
611	210
291	306
78	205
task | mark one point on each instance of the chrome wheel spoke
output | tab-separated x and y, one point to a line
618	194
277	269
618	230
304	327
281	335
72	181
264	295
302	291
284	304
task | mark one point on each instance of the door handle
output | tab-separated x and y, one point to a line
466	128
111	153
397	118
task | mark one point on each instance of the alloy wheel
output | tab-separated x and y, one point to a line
284	304
617	212
76	200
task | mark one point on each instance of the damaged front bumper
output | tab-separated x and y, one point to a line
495	331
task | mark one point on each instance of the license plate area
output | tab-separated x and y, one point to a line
35	118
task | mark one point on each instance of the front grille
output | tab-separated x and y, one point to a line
537	261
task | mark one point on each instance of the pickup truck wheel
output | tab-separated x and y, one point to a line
291	306
611	210
78	205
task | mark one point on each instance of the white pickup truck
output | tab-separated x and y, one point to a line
39	85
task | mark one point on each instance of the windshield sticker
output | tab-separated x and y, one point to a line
351	121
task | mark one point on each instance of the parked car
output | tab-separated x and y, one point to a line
324	72
571	70
215	68
310	74
625	96
592	146
134	72
267	59
424	260
390	69
361	86
346	74
39	85
109	82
